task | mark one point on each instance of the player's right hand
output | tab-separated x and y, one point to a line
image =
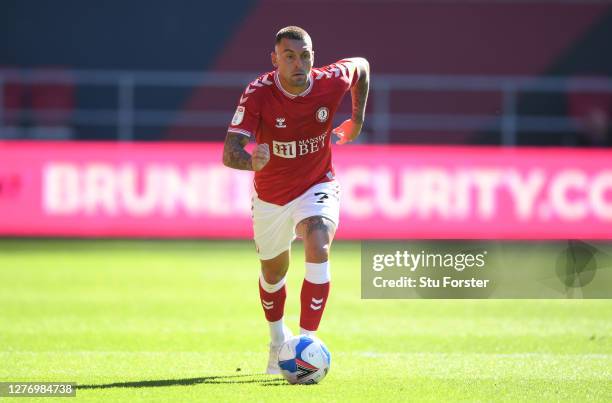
260	157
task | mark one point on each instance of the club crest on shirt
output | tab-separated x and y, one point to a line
322	114
238	116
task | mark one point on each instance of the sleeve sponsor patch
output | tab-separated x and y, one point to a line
238	116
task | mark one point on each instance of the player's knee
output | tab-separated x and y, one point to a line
274	274
317	252
316	227
317	239
273	277
273	270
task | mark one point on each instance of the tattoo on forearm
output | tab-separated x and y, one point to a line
234	154
359	95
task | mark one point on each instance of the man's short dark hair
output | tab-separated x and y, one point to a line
292	32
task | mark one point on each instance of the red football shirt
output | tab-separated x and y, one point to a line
297	128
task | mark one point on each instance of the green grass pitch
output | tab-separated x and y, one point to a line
181	321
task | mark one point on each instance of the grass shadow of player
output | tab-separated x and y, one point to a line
261	379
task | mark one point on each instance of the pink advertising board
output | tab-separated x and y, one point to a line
388	192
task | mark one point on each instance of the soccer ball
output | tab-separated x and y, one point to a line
304	360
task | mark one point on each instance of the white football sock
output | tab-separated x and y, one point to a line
277	334
317	273
271	288
304	332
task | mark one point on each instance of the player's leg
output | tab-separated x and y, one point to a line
273	230
316	218
317	233
272	292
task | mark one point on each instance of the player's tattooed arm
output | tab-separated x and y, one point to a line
234	154
359	92
351	128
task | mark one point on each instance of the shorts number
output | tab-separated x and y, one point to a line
322	197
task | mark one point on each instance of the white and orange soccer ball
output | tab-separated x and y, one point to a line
304	360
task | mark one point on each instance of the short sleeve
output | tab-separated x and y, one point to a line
247	115
344	72
349	70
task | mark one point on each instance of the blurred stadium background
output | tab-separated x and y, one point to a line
486	119
445	73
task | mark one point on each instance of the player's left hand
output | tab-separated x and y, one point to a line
347	131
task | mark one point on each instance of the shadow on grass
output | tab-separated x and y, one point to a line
261	379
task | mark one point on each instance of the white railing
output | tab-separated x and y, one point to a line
382	121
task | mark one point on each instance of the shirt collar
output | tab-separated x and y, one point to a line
290	95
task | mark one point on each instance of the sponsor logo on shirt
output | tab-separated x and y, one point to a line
292	149
283	149
280	123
